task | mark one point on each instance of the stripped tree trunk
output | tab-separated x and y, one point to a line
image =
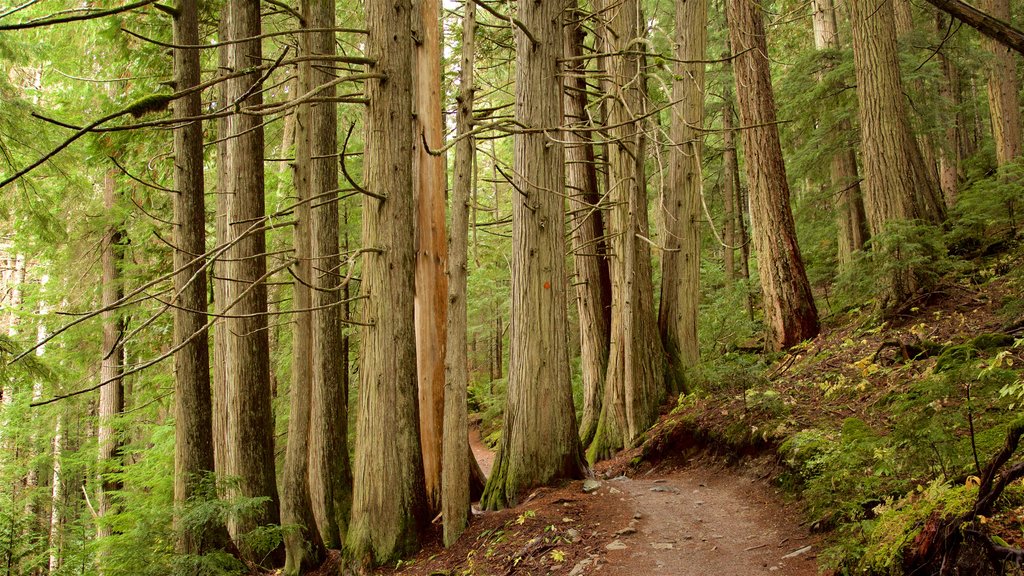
431	282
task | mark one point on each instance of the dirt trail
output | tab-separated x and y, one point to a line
701	521
484	455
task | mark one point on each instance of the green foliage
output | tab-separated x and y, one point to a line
987	213
731	373
904	248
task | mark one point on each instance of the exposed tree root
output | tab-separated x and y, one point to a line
938	547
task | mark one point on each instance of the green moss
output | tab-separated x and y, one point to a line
992	341
147	104
901	520
954	356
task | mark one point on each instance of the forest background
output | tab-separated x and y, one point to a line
261	260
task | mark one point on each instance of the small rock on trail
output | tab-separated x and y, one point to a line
703	520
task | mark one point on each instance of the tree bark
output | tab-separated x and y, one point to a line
250	424
539	441
634	384
303	545
389	500
592	280
112	393
790	315
1003	91
951	154
330	473
730	188
193	410
680	276
850	219
431	250
896	183
456	450
220	273
56	498
992	27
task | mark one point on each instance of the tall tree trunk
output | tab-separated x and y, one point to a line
330	473
250	424
112	392
456	452
303	545
850	219
539	441
730	187
431	250
680	276
220	271
592	281
634	384
193	411
950	155
735	228
895	177
56	497
790	316
1003	91
389	504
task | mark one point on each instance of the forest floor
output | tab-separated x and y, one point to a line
689	518
833	457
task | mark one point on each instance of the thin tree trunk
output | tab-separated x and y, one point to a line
330	474
56	498
250	424
111	401
539	441
950	155
1003	91
389	504
193	411
456	451
680	277
431	251
790	315
499	348
729	188
850	219
220	271
304	547
592	280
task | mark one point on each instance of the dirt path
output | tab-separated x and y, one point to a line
484	455
702	521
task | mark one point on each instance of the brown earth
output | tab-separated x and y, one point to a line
695	519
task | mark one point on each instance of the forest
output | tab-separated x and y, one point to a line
479	287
